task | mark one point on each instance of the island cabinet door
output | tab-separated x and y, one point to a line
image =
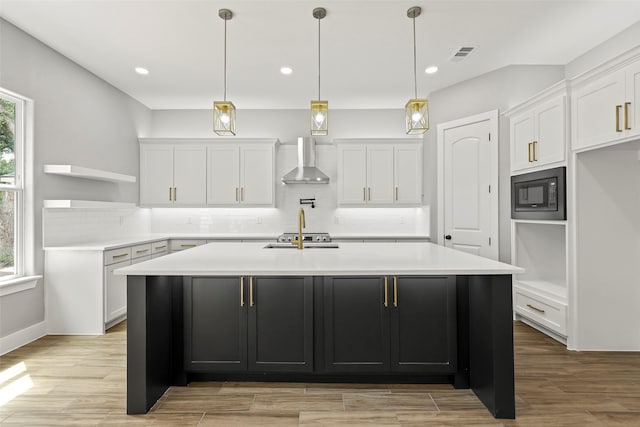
215	324
356	325
280	324
423	324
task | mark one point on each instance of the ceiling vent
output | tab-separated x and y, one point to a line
462	53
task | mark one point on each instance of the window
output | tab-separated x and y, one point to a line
11	185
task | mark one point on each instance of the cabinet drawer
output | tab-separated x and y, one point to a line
542	310
117	255
159	248
181	245
140	250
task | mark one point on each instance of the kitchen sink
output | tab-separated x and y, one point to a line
310	245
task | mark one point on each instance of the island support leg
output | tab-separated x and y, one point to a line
491	343
154	340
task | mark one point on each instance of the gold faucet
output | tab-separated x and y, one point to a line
301	225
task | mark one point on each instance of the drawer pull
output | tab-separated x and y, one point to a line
141	251
160	247
386	291
120	256
539	310
190	245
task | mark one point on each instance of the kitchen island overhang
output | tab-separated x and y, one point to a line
483	350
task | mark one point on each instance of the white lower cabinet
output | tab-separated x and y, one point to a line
83	295
184	244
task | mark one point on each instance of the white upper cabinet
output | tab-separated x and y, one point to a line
604	109
172	175
381	173
538	131
240	175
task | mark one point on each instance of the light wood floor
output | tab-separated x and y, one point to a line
81	381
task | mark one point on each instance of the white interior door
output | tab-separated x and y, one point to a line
469	184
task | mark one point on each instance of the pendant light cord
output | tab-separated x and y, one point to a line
415	80
225	59
318	59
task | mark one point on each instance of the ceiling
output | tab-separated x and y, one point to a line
366	48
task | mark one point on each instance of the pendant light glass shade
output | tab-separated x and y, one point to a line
416	110
224	112
319	109
319	117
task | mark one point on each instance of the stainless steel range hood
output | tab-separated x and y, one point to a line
306	172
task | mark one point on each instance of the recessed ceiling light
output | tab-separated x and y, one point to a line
431	70
142	71
286	70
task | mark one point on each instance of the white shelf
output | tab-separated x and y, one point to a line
86	204
88	173
549	289
540	221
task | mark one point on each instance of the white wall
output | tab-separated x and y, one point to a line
500	89
79	119
608	248
287	126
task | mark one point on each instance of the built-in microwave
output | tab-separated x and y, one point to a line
539	195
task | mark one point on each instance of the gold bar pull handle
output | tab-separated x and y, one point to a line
529	152
535	155
618	108
395	291
170	199
369	193
364	194
386	291
626	115
242	194
396	193
539	310
175	194
237	194
241	291
251	292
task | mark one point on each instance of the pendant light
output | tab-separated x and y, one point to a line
224	112
417	109
319	109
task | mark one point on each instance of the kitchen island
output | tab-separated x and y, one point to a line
381	312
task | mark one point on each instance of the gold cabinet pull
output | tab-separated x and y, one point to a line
395	291
175	194
242	194
386	291
626	115
369	193
141	251
188	245
160	247
242	292
529	152
618	108
539	310
535	155
170	199
251	292
396	193
364	194
237	194
119	256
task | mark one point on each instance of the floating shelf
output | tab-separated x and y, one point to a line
87	204
88	173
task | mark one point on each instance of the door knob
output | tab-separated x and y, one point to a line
448	237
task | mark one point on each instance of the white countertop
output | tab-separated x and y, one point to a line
351	258
142	239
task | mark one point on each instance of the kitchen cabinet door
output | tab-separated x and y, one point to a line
352	174
356	325
596	111
632	105
156	175
408	174
215	324
550	145
522	136
423	324
256	175
115	292
380	189
280	324
189	175
223	175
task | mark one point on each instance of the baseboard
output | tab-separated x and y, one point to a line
22	337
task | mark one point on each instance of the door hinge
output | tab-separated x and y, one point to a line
489	241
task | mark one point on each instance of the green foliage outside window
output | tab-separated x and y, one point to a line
7	175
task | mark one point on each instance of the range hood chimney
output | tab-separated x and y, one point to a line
306	172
